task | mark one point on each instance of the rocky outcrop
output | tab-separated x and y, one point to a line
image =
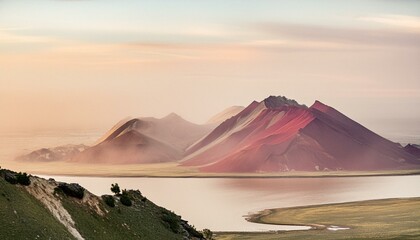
72	189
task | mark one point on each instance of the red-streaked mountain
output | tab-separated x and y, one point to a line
225	114
278	134
144	140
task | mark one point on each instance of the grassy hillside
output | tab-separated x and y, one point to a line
42	210
375	219
24	217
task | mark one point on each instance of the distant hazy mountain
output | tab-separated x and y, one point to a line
145	140
278	134
59	153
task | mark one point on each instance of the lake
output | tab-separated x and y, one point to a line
220	204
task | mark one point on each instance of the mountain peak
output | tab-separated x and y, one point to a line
173	116
320	106
279	101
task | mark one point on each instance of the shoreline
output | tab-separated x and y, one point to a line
359	219
173	170
229	175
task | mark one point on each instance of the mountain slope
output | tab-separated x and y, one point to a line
225	114
278	134
355	146
144	140
413	149
40	211
129	147
171	130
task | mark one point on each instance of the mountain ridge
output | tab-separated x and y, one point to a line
273	135
281	135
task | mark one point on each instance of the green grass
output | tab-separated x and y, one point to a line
143	220
375	219
24	217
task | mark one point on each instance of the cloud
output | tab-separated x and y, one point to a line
9	35
322	36
398	21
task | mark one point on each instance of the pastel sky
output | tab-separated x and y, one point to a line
68	64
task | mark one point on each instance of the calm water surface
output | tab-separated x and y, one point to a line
221	203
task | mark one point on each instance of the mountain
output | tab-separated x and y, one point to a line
414	149
59	153
46	209
279	134
144	140
274	135
225	114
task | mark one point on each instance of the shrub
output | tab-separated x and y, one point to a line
10	177
172	221
208	235
15	178
109	200
115	189
125	199
23	179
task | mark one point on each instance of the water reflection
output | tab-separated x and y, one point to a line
221	203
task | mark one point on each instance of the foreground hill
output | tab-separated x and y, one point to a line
278	134
46	209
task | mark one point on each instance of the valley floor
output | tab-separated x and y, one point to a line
373	219
173	170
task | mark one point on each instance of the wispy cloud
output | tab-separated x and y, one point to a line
333	37
398	21
387	92
9	35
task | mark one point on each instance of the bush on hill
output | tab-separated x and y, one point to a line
125	199
23	179
115	189
171	220
109	200
15	178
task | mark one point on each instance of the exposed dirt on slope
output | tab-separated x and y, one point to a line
43	190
